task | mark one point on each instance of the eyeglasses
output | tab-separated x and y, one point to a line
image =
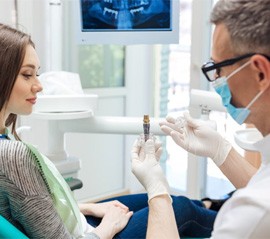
211	70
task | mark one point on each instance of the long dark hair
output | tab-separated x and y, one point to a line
13	45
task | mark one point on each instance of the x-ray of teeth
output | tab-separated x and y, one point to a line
126	15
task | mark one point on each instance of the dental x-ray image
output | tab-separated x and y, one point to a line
126	15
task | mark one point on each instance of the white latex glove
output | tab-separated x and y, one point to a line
146	167
196	137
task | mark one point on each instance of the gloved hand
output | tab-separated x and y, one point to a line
196	137
146	167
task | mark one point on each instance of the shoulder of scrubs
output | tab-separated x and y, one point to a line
247	213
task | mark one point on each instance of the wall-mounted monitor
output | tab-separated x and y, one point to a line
127	21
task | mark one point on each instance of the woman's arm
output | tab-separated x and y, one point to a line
30	204
99	209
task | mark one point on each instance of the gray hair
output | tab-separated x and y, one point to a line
248	23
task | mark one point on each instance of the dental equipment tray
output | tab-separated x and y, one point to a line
66	103
247	137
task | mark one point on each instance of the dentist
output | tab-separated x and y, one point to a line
240	73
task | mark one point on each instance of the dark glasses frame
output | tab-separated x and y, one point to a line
211	65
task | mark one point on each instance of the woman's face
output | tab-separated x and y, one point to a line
26	87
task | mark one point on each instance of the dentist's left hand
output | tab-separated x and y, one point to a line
146	167
197	137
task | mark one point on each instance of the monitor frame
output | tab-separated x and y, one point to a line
129	37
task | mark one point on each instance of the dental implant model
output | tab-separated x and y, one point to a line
180	122
146	127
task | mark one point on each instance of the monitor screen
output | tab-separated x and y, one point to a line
128	21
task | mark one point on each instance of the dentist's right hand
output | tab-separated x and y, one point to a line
146	167
197	137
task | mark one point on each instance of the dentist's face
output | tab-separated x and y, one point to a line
242	85
26	87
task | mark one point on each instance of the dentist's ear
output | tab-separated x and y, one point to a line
261	65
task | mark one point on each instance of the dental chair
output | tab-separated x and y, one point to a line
8	231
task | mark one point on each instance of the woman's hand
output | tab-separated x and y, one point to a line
99	209
115	219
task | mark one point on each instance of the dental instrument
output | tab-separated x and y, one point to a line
146	127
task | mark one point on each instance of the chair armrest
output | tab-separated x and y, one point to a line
7	230
74	183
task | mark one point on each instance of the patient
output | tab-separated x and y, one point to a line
33	195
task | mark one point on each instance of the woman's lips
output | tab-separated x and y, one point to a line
32	100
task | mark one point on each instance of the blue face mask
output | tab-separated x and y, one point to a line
222	88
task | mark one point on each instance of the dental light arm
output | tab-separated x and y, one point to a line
87	123
110	125
59	124
205	101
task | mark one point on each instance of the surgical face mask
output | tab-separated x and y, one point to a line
222	88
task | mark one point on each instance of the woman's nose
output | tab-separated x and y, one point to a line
37	87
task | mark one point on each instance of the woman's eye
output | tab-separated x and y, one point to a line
27	76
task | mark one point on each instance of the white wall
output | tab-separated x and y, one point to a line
140	91
34	18
200	51
7	12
